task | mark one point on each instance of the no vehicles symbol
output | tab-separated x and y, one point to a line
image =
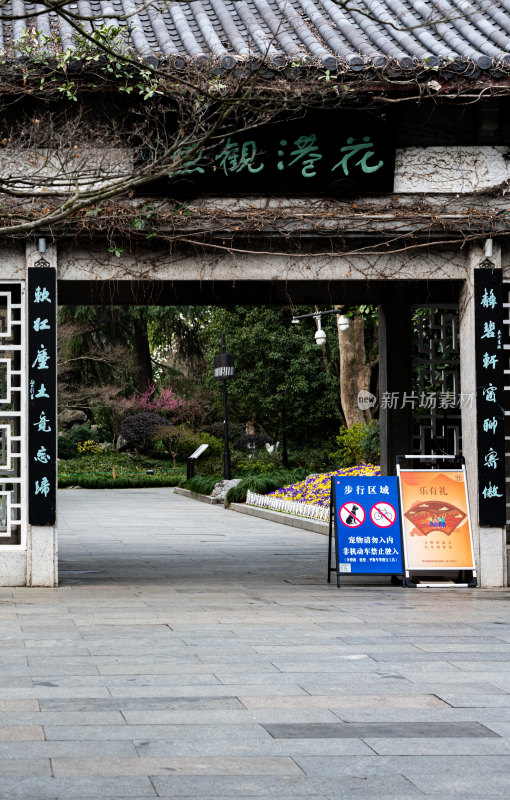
352	515
383	515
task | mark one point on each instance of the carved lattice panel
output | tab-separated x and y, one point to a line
436	374
12	416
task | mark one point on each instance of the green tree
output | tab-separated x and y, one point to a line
283	381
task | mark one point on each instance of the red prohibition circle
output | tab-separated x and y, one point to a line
374	510
358	517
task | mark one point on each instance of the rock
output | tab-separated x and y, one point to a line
121	443
68	418
220	489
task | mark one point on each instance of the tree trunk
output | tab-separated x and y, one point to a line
355	372
143	354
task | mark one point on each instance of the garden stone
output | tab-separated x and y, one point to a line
121	443
221	489
68	418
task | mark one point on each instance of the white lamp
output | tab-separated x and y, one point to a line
343	323
320	336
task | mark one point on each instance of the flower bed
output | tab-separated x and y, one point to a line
308	498
316	488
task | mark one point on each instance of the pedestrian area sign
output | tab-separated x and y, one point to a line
367	526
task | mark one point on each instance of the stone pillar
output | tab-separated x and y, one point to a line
395	375
42	547
489	543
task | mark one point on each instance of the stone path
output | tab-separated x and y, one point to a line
192	652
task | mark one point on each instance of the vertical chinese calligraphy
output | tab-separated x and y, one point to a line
42	401
489	390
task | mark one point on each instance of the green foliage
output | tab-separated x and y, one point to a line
283	380
371	443
358	444
122	482
91	470
106	47
201	484
314	459
82	433
349	451
180	443
260	462
264	483
191	441
68	444
66	448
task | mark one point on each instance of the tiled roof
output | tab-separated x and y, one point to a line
399	35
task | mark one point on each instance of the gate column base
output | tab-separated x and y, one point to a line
493	571
42	556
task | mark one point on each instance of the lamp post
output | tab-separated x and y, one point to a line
223	370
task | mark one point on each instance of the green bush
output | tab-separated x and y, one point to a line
68	443
370	443
190	441
314	459
121	482
264	483
82	433
236	432
260	462
202	484
358	444
66	448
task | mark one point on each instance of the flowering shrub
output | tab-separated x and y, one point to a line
89	446
168	403
316	488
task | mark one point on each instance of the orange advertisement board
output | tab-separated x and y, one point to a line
435	520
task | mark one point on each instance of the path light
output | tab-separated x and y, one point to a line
223	370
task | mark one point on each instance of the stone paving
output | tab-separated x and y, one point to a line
192	652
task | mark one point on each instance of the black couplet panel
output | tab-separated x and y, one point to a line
489	397
42	400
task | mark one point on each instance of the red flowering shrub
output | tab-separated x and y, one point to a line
167	403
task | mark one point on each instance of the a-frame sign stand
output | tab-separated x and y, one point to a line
365	524
431	513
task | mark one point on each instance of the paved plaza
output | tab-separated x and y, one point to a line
192	652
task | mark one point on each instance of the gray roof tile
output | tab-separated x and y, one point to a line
399	35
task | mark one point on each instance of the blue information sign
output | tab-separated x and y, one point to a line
367	526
